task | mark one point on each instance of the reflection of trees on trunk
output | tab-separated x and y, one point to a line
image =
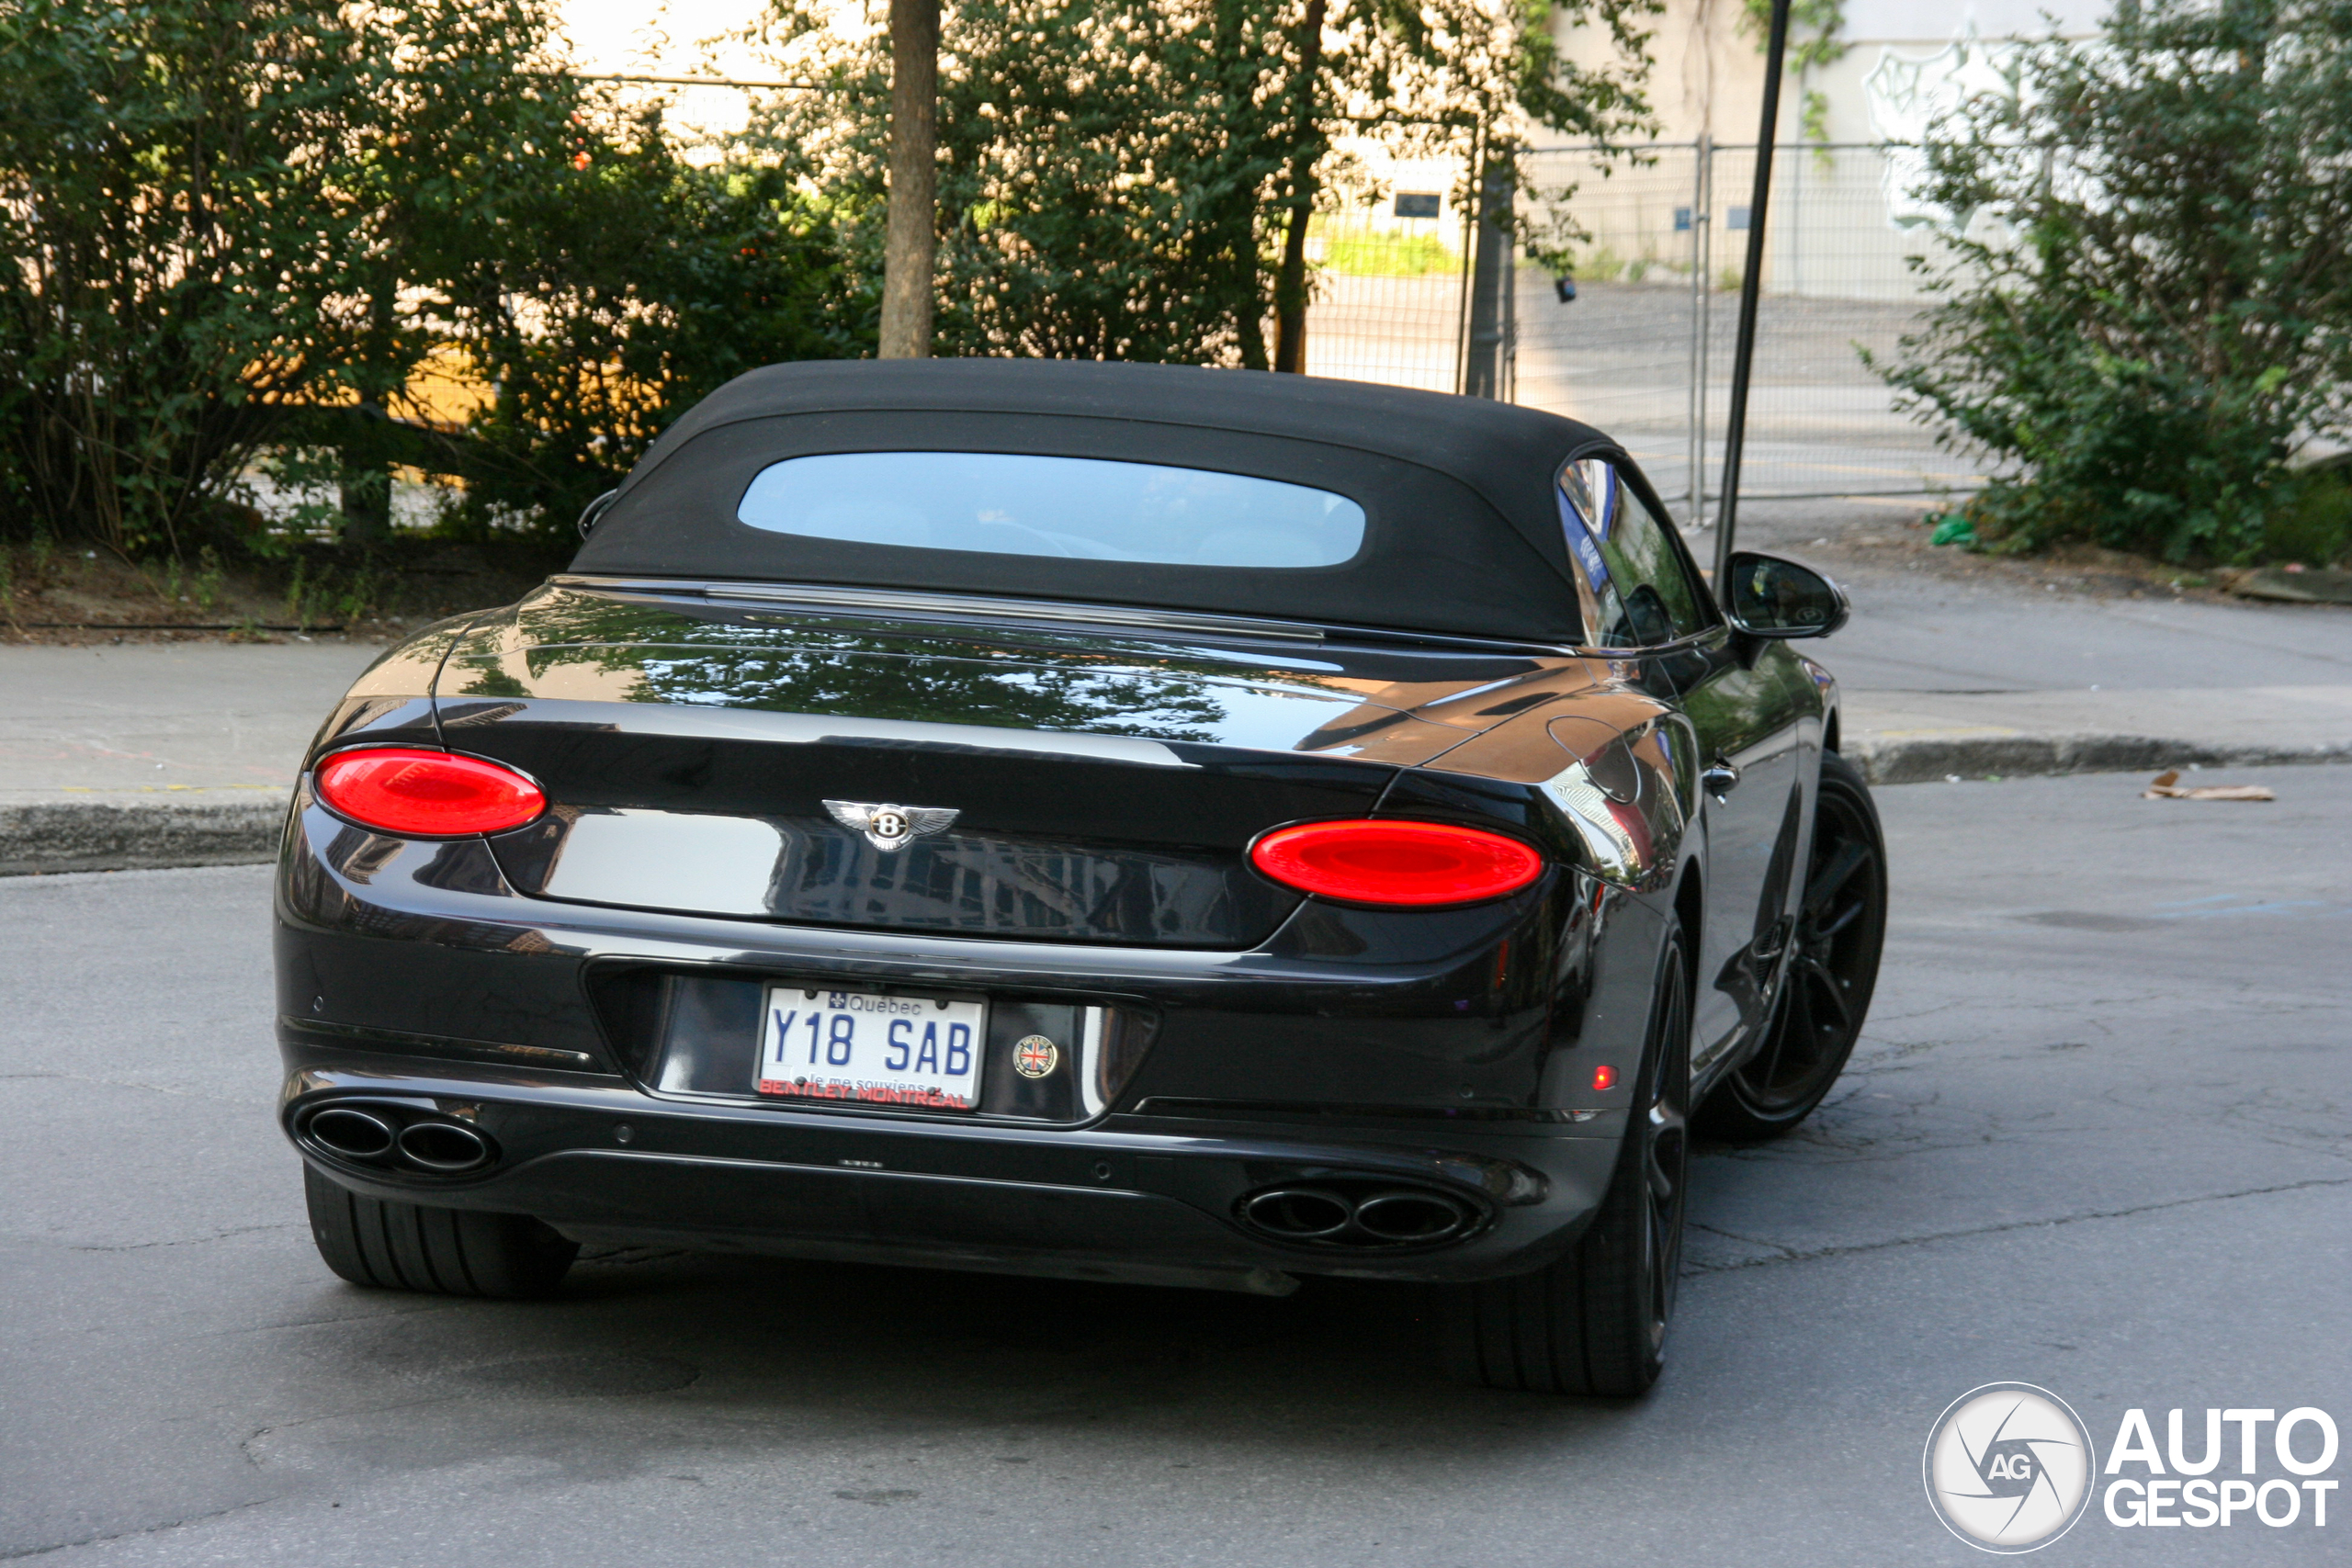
933	690
564	617
481	675
1010	887
665	657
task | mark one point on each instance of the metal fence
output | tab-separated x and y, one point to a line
1644	351
1390	297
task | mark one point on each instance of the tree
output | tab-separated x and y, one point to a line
593	280
230	229
1464	76
912	250
192	236
2147	301
1122	180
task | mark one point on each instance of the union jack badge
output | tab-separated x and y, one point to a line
1034	1056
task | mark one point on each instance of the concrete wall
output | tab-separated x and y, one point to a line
1708	78
1843	220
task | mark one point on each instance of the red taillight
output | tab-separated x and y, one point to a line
1408	863
427	795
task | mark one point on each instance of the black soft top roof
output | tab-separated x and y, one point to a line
1462	530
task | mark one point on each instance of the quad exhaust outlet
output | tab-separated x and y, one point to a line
396	1136
1358	1213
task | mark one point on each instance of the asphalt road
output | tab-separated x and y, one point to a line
2094	1140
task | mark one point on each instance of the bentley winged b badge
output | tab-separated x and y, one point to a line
889	828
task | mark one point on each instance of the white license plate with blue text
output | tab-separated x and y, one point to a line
872	1047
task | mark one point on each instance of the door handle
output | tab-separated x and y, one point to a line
1719	778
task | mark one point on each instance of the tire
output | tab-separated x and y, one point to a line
1595	1321
454	1252
1832	970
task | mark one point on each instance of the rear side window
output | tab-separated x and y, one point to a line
1636	589
1081	508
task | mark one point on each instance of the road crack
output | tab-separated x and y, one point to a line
1794	1255
18	1554
195	1240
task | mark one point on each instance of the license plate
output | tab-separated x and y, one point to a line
871	1047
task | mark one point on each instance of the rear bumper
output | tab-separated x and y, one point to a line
1452	1051
1127	1199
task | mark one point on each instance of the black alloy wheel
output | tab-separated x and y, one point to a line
1595	1321
1832	969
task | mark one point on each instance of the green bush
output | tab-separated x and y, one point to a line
193	230
618	286
2310	519
2147	301
232	231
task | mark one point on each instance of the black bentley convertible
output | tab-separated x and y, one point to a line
1122	822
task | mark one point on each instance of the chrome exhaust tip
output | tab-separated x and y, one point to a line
445	1147
353	1134
1411	1217
1358	1212
1299	1213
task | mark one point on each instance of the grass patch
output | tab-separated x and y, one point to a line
1389	255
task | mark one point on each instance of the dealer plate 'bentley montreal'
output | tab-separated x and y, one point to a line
1196	827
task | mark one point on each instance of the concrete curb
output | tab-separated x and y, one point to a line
1899	760
136	831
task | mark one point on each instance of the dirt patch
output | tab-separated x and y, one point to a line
1889	541
77	597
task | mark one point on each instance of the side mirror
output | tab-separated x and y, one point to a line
1565	287
1774	598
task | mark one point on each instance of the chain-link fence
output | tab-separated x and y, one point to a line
1645	350
1389	295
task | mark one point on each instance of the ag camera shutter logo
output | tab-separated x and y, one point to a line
2009	1467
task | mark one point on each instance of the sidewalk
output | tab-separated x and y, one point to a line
156	755
1915	737
113	758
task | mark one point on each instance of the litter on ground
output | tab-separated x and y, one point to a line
2166	785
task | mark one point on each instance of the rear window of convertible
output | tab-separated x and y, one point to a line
1083	508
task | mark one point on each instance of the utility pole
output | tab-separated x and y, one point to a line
1751	277
911	244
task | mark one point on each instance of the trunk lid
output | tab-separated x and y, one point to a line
1104	785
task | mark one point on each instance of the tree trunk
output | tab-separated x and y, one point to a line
1492	272
910	246
1230	223
1290	284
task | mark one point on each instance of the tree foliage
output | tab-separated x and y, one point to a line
192	224
1813	41
2150	304
289	228
228	228
1116	177
608	285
